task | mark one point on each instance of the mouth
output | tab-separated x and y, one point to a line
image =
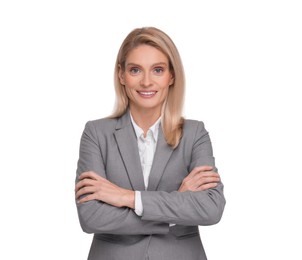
147	94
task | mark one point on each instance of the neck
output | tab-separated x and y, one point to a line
145	118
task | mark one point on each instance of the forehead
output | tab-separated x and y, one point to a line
145	55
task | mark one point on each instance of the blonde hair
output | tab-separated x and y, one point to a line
171	115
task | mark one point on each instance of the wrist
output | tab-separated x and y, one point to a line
129	199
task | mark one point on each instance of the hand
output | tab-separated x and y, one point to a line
200	178
96	187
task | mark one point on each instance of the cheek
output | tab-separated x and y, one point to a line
165	83
130	83
165	91
129	91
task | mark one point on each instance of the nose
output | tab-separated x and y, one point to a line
146	80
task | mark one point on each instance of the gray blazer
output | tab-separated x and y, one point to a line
109	148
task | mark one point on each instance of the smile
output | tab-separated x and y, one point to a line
147	94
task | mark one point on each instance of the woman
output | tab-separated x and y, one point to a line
146	177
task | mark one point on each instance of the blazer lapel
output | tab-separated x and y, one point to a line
127	143
161	157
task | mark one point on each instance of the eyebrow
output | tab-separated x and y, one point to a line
155	64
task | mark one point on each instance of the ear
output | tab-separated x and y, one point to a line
171	82
121	75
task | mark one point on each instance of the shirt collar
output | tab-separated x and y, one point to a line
153	129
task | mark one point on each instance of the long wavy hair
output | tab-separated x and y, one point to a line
171	114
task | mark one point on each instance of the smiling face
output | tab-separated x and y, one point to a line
146	79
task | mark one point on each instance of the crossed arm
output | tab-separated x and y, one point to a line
98	188
104	207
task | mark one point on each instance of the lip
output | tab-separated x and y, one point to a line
147	94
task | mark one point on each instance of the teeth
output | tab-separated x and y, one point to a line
148	93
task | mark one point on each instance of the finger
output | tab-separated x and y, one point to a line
192	182
85	190
90	174
204	180
207	186
208	180
84	182
199	169
207	174
195	171
87	198
201	175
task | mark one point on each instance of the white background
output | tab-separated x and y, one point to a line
243	64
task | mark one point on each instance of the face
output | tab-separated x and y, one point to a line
146	79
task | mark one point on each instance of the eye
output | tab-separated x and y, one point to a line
134	70
158	70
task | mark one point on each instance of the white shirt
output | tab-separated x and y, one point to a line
146	148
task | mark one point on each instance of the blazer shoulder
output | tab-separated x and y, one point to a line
103	125
191	127
192	122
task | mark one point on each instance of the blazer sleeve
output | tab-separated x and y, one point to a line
188	208
98	217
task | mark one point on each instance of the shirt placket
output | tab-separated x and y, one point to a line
147	157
